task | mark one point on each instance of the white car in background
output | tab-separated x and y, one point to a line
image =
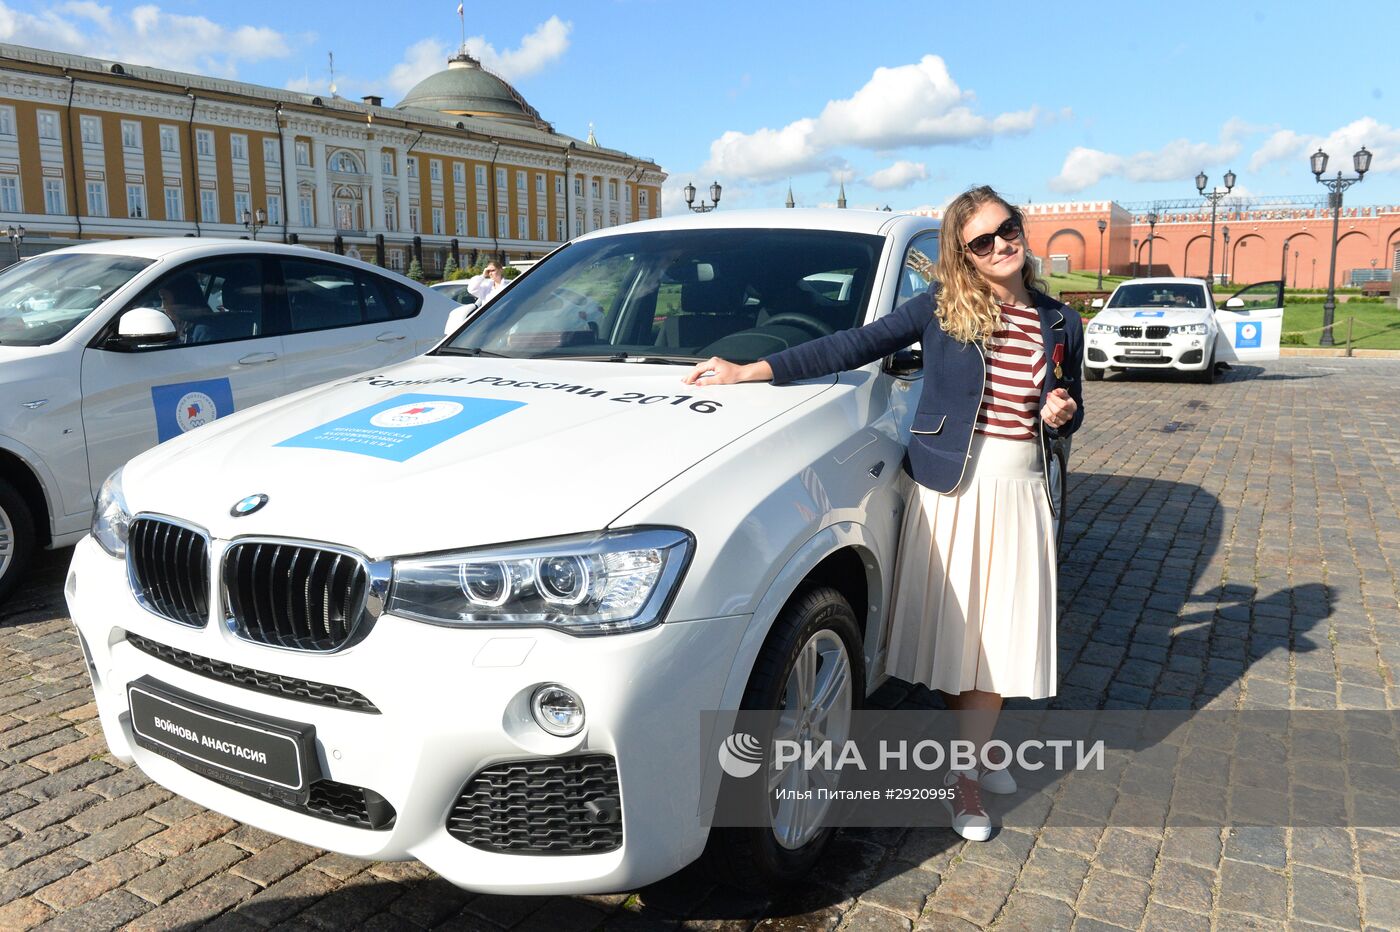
1173	323
108	348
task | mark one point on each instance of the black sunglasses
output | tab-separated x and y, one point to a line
1009	231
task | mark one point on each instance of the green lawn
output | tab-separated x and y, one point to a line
1082	281
1377	325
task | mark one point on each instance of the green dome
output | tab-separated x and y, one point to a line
467	89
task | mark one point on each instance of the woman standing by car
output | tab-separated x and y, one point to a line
974	601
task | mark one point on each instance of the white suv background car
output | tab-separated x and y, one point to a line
469	609
108	348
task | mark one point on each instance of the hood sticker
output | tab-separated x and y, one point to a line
1150	314
403	426
689	402
183	406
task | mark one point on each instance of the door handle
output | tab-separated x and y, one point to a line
252	359
389	337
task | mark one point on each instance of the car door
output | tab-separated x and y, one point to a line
1251	324
339	322
222	360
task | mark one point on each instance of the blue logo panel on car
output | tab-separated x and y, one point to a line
403	426
1150	314
1248	335
183	406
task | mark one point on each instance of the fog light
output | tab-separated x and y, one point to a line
557	710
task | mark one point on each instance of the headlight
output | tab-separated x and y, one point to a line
1100	328
1197	329
110	520
594	584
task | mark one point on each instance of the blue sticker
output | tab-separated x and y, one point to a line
403	426
1248	335
1150	314
186	405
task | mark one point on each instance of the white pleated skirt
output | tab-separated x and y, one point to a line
974	602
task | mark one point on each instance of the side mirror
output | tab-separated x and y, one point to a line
906	362
145	325
1096	303
1234	304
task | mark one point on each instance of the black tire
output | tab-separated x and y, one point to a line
17	541
1093	374
1058	481
1207	375
752	858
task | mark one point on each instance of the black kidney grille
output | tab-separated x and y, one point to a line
170	570
559	805
294	596
275	684
1130	331
1157	332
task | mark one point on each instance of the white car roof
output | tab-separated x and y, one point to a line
160	247
877	222
1199	282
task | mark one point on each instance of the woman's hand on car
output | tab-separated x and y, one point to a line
716	371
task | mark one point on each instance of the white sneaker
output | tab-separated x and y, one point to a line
1000	781
970	820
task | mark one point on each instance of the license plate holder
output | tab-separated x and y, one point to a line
259	754
1143	352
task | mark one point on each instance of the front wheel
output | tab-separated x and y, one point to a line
1207	375
1093	374
812	670
17	541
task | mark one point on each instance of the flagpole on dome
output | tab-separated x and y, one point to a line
461	16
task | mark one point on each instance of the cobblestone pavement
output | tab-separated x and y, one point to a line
1234	545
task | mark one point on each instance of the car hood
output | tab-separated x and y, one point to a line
449	452
1150	316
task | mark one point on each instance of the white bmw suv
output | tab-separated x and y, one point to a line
469	609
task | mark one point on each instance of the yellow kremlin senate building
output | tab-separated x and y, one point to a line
93	149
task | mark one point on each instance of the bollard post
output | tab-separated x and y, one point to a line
1350	321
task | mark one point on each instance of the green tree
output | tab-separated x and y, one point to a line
449	270
415	270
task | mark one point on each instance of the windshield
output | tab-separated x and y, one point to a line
43	298
1163	294
679	295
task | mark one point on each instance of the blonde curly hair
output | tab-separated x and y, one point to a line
967	307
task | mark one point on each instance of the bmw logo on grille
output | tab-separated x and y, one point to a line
246	506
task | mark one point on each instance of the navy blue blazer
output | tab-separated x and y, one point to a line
954	373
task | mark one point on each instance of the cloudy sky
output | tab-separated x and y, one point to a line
907	103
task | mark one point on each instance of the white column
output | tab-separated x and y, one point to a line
323	188
588	201
374	197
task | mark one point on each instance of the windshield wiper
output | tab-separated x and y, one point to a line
621	356
471	351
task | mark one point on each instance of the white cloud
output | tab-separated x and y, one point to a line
147	35
1379	138
541	48
907	105
1177	160
898	176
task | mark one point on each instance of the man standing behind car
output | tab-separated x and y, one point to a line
486	284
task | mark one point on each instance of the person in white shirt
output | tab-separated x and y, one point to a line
487	283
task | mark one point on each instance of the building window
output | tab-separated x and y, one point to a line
459	173
239	144
204	142
9	194
559	230
412	217
90	130
391	214
578	187
522	227
303	154
642	196
434	169
593	187
274	209
481	224
53	196
169	141
539	229
174	204
612	190
209	206
306	207
481	176
412	166
503	226
539	184
459	221
578	227
386	164
272	155
437	221
48	125
345	163
242	202
501	178
131	134
396	259
136	201
559	185
96	199
520	181
7	121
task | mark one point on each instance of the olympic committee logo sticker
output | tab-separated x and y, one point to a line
740	755
246	506
416	414
1248	335
194	409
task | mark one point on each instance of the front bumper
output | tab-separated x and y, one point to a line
1187	352
451	702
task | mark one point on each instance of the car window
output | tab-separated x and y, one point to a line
920	263
403	301
737	293
210	301
1159	294
321	295
45	297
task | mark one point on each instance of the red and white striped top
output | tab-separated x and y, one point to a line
1015	373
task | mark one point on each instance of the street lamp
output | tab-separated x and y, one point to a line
1103	225
16	235
1225	254
1283	272
1151	235
715	191
254	220
1361	161
1135	258
1214	197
